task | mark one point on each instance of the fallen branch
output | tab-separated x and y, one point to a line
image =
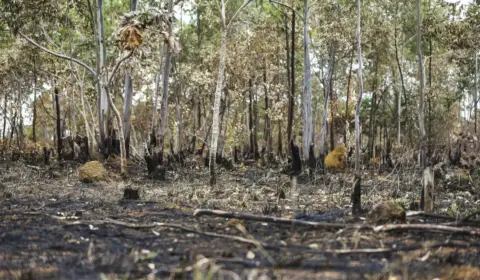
429	215
467	218
142	226
278	220
212	234
424	227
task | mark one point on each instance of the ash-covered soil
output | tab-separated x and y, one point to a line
52	226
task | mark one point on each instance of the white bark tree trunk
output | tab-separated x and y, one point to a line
307	86
164	103
360	89
421	113
102	98
219	87
216	103
127	112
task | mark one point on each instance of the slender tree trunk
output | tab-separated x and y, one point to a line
5	98
219	87
157	87
216	104
127	106
475	98
194	123
123	152
59	133
195	99
178	119
268	132
291	104
332	99
255	122
307	86
127	100
34	122
421	117
279	140
88	132
429	135
373	125
347	123
102	54
164	104
251	118
327	95
224	122
399	97
357	185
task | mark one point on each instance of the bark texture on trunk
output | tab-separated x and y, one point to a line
34	122
164	104
216	103
59	129
127	111
307	86
357	186
421	110
291	103
102	54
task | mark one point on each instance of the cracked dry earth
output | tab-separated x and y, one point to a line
54	227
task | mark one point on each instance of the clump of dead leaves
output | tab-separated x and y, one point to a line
92	171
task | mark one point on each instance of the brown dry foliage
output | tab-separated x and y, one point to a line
92	171
336	158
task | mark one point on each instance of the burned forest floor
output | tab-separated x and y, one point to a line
52	226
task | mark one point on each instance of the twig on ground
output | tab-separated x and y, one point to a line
278	220
426	227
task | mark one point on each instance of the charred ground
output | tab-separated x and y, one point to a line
54	226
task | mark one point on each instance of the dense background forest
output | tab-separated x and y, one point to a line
271	70
387	90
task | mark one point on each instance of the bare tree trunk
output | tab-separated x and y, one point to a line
88	132
5	98
194	123
219	87
475	98
291	104
218	94
102	54
347	123
127	100
34	122
307	86
127	106
357	185
59	133
164	104
373	125
399	97
157	86
327	95
178	120
421	117
280	124
332	98
251	118
255	122
123	158
268	132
